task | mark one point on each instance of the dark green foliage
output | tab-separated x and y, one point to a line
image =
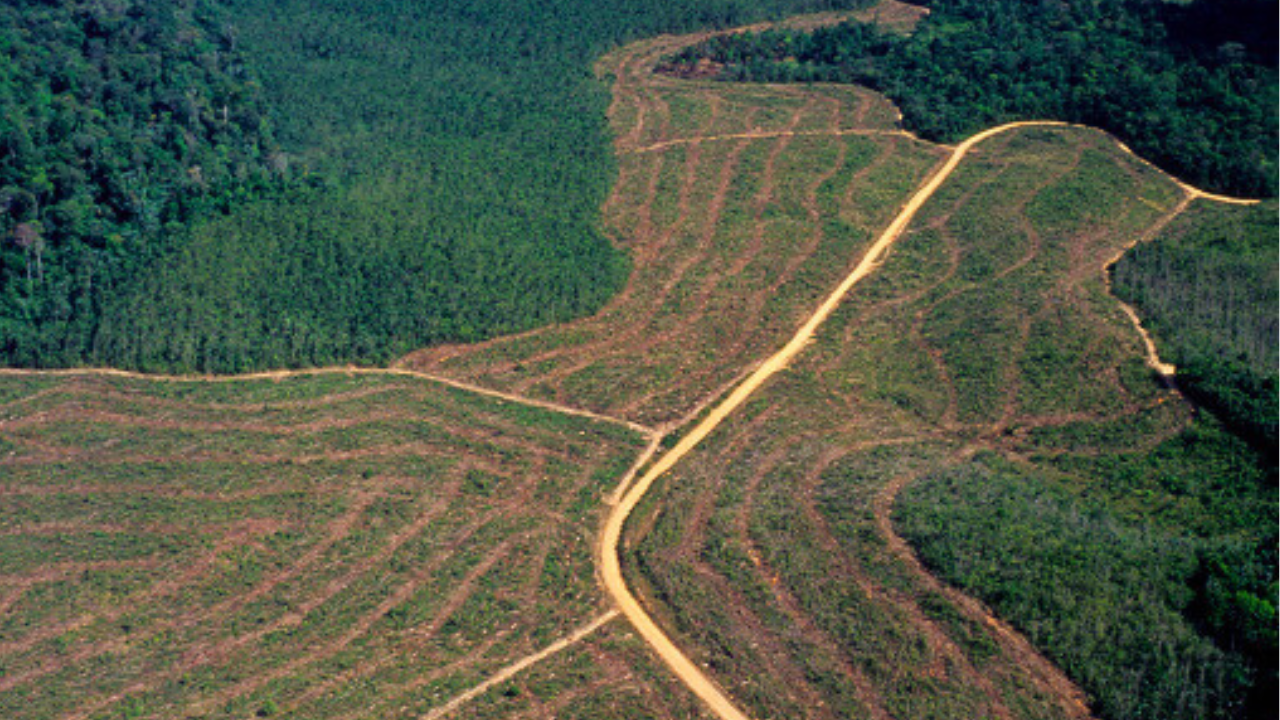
1195	95
1203	482
1245	400
1208	290
1236	593
1122	606
116	119
447	163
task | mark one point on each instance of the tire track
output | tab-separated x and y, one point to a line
351	370
756	302
511	670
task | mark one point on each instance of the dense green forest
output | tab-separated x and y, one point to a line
1207	288
1149	576
1155	590
118	121
1190	86
438	176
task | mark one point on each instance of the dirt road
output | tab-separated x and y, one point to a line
610	566
630	495
338	370
609	561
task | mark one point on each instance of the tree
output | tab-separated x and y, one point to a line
30	238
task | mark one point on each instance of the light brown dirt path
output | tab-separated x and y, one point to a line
511	670
766	135
340	370
1165	370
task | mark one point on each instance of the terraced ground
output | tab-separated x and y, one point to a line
346	545
989	331
336	545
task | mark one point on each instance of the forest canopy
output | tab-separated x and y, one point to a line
222	185
1190	86
1156	620
1207	288
117	121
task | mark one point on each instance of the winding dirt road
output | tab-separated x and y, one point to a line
609	558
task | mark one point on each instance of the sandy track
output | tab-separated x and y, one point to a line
511	670
610	565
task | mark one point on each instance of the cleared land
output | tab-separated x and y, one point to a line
378	545
988	332
783	514
322	546
334	546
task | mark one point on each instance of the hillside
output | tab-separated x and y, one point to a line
865	433
312	546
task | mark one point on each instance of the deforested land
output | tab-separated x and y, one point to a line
391	307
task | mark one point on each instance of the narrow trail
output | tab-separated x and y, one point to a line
1165	370
511	670
791	605
768	135
611	534
336	370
